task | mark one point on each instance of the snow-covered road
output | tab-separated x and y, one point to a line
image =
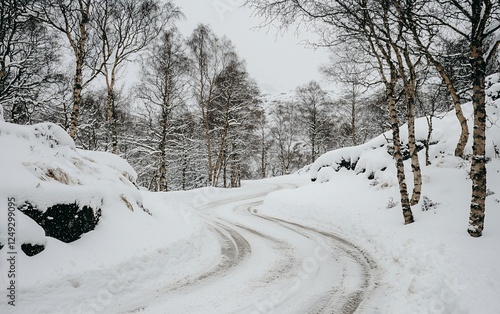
267	266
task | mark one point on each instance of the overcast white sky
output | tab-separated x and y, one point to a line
279	63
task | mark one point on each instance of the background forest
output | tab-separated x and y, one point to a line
193	116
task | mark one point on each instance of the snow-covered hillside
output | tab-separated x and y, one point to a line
373	158
270	100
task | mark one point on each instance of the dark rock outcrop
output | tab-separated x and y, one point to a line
32	249
65	222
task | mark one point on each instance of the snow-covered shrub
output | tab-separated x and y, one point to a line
493	86
428	204
383	182
391	203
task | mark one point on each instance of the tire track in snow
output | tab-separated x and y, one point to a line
338	300
234	249
241	230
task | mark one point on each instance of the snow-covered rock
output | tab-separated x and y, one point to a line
493	86
50	179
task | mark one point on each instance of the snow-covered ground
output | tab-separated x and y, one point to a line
281	245
430	266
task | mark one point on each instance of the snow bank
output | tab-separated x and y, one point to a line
141	238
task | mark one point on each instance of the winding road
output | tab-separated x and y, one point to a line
268	265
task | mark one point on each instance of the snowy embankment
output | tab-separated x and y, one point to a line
120	239
432	265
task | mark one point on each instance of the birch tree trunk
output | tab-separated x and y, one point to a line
410	88
77	97
450	86
74	20
79	50
478	165
415	164
163	151
383	51
111	110
429	137
398	157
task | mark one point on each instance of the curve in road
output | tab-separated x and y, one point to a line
270	265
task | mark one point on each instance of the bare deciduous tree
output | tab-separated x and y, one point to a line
314	114
28	52
354	74
210	55
285	132
163	88
237	110
124	28
361	23
73	20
